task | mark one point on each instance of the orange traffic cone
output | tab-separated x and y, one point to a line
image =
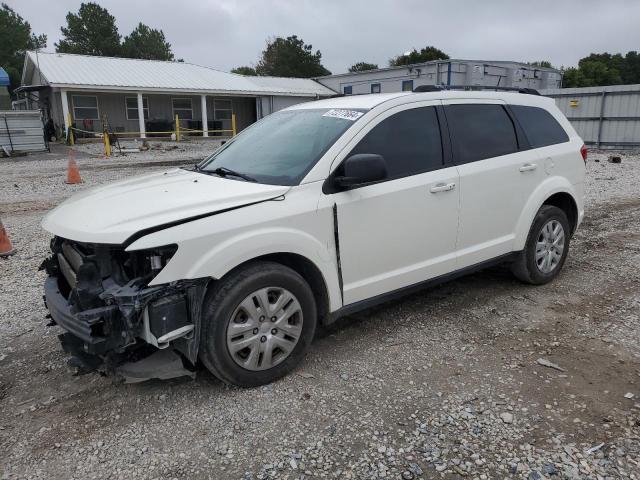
6	248
73	174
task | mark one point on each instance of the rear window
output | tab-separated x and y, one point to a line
480	131
539	126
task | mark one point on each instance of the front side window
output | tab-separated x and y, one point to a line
409	141
539	126
347	90
183	108
375	88
85	107
132	108
480	131
281	148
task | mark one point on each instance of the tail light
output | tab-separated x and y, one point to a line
583	152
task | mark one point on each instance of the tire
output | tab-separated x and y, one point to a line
530	266
232	317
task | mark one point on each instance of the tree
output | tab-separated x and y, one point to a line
427	54
290	57
604	69
16	38
244	70
541	64
147	43
363	67
92	31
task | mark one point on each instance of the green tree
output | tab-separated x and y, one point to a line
363	67
604	69
92	31
427	54
572	78
541	64
244	70
290	57
16	38
147	43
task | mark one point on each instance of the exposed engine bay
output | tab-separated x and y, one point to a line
115	322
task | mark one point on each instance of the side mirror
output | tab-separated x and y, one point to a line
360	169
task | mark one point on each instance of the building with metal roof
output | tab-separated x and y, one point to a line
137	96
444	72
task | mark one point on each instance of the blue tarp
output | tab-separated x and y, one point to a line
4	78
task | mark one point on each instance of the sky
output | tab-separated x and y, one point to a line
227	33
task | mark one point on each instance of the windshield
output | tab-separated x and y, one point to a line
281	148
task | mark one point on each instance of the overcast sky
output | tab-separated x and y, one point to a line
226	33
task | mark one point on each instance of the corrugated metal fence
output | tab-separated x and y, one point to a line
21	131
607	117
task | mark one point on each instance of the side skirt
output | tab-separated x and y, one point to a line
401	292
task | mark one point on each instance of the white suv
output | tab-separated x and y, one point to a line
312	213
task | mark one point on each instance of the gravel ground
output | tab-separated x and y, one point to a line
445	383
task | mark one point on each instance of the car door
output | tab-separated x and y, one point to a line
402	230
498	174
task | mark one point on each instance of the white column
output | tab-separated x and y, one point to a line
65	111
141	116
205	123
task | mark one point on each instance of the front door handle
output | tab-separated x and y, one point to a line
442	187
527	167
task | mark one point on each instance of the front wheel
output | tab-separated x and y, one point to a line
257	324
546	249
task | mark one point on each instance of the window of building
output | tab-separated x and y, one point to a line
347	90
222	109
183	108
132	108
375	88
85	107
480	131
407	85
539	126
409	141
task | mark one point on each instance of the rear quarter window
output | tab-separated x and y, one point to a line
539	126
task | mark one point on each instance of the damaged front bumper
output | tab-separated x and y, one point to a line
113	321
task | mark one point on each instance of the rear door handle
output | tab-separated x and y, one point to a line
527	167
442	187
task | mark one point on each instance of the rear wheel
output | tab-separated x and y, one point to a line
257	324
546	249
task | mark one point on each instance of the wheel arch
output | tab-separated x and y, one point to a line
565	202
556	191
300	264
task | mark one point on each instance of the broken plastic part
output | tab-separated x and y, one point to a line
162	365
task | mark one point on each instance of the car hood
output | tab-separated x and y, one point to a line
113	212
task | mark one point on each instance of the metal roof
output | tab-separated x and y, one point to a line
520	65
92	72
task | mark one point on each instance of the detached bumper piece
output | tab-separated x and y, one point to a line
116	324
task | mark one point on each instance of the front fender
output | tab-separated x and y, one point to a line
550	186
198	258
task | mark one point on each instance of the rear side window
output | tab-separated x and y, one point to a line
480	131
539	126
409	141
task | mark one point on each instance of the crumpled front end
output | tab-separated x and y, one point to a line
113	320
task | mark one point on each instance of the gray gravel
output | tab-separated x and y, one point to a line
445	383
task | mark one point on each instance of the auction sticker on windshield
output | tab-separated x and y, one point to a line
341	113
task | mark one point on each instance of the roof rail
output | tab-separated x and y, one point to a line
439	88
